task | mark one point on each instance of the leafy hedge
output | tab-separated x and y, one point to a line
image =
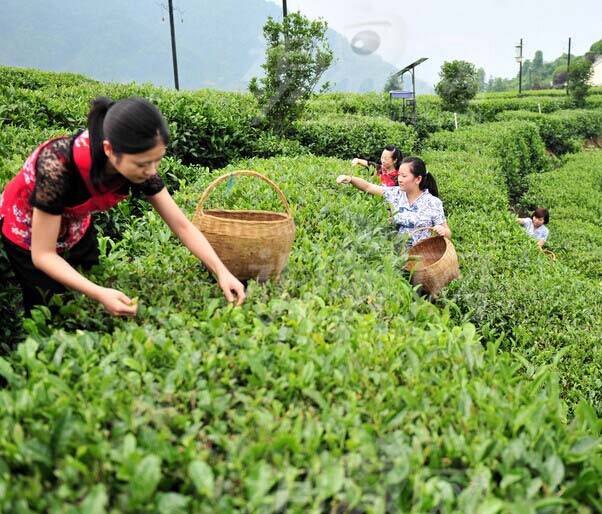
574	195
335	389
548	311
561	131
486	110
16	143
517	147
209	128
28	78
364	104
535	92
353	136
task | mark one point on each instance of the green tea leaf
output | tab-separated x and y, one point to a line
95	501
201	475
554	471
584	445
146	479
330	480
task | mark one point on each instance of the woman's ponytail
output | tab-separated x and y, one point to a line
96	118
429	183
396	155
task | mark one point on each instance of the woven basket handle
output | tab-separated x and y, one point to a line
418	230
211	186
550	253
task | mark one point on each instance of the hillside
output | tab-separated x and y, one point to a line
130	42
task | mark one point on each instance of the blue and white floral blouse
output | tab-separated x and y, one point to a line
426	211
541	232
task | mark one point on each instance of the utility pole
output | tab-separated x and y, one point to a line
173	46
284	10
568	67
519	58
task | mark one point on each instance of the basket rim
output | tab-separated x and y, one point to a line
419	265
284	217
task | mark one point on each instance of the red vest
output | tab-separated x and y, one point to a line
17	212
386	179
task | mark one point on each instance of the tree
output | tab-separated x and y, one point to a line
459	83
297	55
578	77
497	84
595	51
559	77
537	71
392	83
596	48
481	78
538	62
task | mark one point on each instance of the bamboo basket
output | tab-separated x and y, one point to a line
433	262
549	253
252	244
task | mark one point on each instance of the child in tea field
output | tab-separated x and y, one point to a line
535	225
388	169
414	201
45	211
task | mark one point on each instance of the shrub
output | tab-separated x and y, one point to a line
459	84
352	136
366	104
297	56
27	78
517	146
561	131
578	81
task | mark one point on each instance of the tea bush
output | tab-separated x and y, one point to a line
337	388
334	389
486	110
547	310
354	136
561	131
363	104
517	147
574	195
29	78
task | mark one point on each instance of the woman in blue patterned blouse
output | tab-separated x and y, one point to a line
535	225
414	202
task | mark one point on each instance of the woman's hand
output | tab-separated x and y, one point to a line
442	230
229	283
344	179
116	303
356	162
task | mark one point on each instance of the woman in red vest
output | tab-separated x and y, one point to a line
45	211
388	169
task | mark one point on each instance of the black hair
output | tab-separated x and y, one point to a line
132	125
396	155
540	212
418	169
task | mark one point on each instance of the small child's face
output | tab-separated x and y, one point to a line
537	222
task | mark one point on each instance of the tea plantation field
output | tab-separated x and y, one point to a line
338	388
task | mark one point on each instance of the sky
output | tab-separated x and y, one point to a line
483	32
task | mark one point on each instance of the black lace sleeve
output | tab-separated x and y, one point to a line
52	187
152	186
375	165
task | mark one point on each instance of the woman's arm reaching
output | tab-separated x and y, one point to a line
197	243
361	184
44	235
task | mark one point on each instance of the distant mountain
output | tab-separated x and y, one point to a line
219	44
